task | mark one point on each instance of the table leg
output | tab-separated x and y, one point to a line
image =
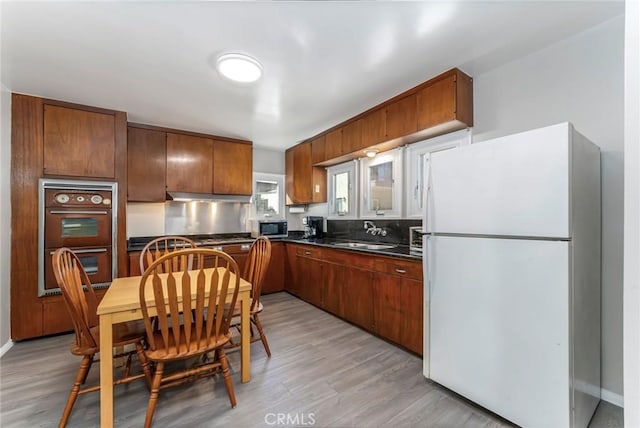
245	341
106	371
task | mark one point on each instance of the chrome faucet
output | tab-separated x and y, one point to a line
371	227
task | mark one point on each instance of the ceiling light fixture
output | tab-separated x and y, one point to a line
371	153
239	67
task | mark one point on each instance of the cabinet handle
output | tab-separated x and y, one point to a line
401	270
245	247
307	253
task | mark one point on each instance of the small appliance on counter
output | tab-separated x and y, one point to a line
415	240
313	227
269	228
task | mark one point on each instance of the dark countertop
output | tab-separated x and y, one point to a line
137	243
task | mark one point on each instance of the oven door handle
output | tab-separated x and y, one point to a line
78	212
87	251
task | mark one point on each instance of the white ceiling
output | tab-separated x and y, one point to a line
323	61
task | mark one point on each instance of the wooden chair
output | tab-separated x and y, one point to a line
82	306
162	246
254	272
206	332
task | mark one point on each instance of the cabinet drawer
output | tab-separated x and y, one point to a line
406	269
350	258
310	252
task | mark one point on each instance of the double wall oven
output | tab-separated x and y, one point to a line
80	215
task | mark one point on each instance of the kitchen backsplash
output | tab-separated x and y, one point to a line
397	230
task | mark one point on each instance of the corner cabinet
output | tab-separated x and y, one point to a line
304	183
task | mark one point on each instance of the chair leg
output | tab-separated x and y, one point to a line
227	377
144	363
81	376
263	337
153	397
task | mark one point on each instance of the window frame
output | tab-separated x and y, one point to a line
268	177
396	157
350	167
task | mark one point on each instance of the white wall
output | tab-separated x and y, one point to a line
270	161
632	217
5	216
579	80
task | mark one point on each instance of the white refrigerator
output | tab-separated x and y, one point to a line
512	275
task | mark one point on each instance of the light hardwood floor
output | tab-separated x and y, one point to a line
323	372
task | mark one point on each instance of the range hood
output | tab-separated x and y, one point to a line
207	197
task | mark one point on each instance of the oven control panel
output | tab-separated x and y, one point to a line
77	198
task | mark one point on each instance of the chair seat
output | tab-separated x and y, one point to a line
237	310
182	350
126	333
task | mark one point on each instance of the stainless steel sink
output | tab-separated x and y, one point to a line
365	246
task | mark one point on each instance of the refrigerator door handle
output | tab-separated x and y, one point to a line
427	192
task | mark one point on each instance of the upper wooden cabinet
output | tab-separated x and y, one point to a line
232	168
147	165
318	153
447	99
181	161
441	105
304	183
333	144
189	163
401	118
79	143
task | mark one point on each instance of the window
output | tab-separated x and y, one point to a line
268	195
341	181
417	155
382	185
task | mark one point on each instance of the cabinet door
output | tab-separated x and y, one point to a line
388	311
333	144
310	276
302	176
352	137
401	117
189	163
292	277
147	165
411	300
317	150
333	290
358	297
374	127
288	177
274	278
437	102
78	143
232	168
134	264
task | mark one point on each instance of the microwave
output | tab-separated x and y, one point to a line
269	228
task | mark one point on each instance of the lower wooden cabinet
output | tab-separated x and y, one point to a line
383	295
274	278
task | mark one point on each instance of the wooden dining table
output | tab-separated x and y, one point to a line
121	303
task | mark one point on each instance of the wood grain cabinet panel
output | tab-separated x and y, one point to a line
189	163
292	277
437	102
358	297
401	118
333	144
304	183
79	143
147	165
274	278
412	322
352	137
232	168
318	150
134	264
333	289
374	127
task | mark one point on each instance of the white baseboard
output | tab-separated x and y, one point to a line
5	348
612	397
